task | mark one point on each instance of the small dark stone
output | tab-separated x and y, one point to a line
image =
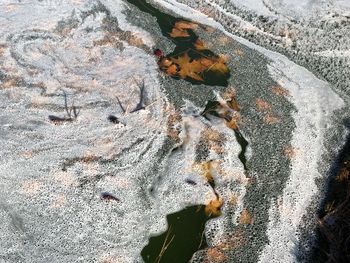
189	181
109	197
113	119
56	119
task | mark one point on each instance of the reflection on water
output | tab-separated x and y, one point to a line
188	44
185	235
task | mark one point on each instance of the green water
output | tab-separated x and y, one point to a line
166	23
211	108
185	235
244	144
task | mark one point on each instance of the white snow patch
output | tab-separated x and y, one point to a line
315	102
333	53
253	5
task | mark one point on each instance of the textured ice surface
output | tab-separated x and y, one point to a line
305	36
314	101
52	175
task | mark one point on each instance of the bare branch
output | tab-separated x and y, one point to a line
68	110
120	105
66	105
76	112
140	105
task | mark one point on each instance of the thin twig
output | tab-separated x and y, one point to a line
76	113
120	105
165	246
68	110
66	105
202	238
140	104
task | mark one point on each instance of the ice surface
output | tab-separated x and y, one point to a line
315	102
53	174
52	180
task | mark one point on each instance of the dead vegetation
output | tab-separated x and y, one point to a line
334	228
181	28
141	104
72	112
233	199
245	217
11	82
289	151
214	139
216	255
266	109
213	208
193	63
229	242
205	169
271	119
228	109
334	224
280	91
262	105
174	124
183	66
